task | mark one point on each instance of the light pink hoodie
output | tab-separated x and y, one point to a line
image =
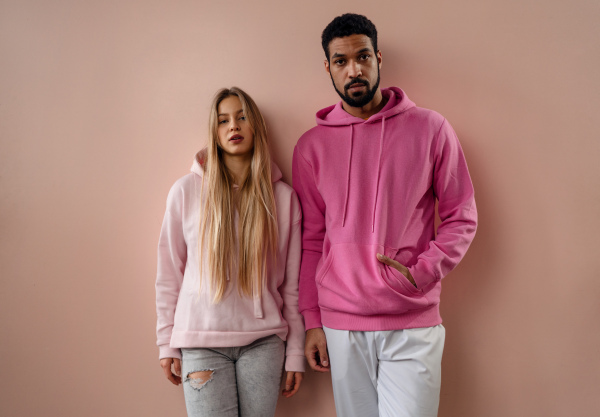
369	187
188	318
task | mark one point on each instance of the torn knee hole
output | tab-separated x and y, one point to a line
199	378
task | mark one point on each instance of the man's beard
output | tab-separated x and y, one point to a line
362	100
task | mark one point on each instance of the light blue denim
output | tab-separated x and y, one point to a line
245	380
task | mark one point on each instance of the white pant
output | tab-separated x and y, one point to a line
386	373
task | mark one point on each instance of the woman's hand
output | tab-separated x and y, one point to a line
292	383
166	363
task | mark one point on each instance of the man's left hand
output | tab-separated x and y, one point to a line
397	266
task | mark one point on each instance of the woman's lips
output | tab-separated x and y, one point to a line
236	138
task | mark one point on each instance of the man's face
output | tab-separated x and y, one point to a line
354	69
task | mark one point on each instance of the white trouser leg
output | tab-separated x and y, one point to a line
353	372
410	371
386	373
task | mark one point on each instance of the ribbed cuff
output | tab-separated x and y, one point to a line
312	319
422	275
165	351
294	363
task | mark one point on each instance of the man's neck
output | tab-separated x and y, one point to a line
368	110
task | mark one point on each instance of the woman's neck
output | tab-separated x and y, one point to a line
238	166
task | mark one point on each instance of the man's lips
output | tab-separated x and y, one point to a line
356	86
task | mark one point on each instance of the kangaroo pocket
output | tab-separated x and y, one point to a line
353	281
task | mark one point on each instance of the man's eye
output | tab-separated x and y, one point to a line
364	57
339	62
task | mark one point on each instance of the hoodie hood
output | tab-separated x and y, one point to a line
397	102
198	167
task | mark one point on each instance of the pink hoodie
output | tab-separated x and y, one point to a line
369	187
188	319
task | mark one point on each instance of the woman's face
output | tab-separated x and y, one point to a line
235	134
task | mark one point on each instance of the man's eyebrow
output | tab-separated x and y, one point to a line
337	55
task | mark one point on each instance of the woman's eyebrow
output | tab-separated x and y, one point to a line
227	114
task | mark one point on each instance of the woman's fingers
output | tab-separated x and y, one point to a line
165	364
289	381
292	383
177	366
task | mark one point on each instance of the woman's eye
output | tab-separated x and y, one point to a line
242	118
222	121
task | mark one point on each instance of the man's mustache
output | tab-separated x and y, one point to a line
356	81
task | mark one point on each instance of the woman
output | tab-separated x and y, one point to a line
228	262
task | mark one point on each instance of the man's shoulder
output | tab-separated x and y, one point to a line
313	133
311	137
424	115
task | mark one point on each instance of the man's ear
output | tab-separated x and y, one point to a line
379	59
327	66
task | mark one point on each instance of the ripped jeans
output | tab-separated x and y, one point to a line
237	381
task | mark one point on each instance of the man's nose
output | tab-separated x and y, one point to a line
354	69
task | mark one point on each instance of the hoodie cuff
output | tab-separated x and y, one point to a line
422	275
312	318
294	363
165	351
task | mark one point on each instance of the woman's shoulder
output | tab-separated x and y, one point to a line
184	186
287	202
284	191
282	187
184	183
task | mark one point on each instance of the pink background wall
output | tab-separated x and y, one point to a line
104	103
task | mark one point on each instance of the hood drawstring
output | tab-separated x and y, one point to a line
348	176
258	311
378	173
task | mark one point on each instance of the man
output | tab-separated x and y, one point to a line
368	176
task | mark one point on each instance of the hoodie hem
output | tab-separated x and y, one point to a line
427	317
208	339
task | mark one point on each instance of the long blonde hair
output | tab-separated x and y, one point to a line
256	243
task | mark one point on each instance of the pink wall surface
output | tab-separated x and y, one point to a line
104	103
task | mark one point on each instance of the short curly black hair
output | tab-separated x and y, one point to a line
346	25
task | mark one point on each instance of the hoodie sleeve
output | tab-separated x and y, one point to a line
313	234
289	290
456	207
172	257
